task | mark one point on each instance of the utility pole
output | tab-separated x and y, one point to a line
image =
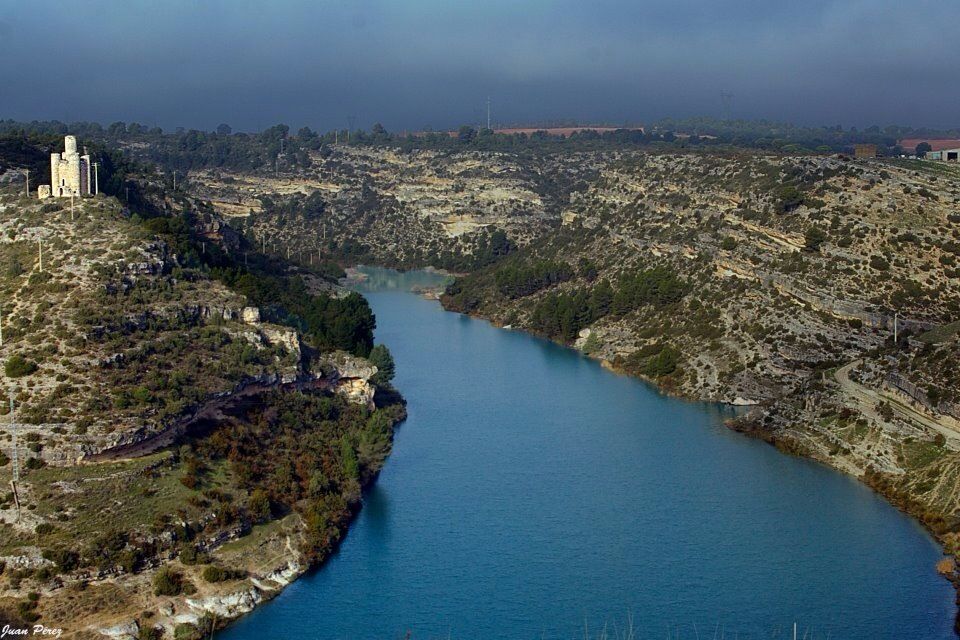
351	124
27	185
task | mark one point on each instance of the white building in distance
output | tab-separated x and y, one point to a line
69	173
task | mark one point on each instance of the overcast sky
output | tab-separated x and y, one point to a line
416	63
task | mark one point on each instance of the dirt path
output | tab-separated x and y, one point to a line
868	399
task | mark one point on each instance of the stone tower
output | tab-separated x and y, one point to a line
69	172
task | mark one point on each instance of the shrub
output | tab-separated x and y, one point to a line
259	505
813	238
150	633
214	573
14	267
168	582
190	555
662	364
17	366
27	610
186	631
789	198
65	559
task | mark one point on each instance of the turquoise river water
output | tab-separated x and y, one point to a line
533	494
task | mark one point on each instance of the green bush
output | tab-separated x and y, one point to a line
186	631
65	559
813	238
190	556
662	364
258	505
17	366
168	582
789	198
214	573
150	633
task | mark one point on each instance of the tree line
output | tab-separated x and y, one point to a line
561	316
277	147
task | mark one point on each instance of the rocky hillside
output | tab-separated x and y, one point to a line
154	362
406	209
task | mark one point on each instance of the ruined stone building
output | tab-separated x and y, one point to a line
69	173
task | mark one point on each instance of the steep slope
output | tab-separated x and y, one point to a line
191	432
400	209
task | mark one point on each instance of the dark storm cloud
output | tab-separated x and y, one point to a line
430	62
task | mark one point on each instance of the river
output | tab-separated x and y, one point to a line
533	494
